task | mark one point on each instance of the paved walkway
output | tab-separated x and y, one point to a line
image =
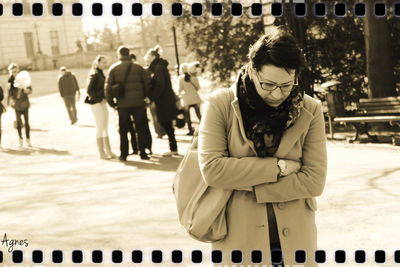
59	195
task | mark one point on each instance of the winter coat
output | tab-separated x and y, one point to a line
228	160
135	87
161	91
67	84
95	89
187	91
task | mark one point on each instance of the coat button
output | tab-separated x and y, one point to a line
281	205
285	231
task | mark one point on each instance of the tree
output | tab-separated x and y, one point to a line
381	82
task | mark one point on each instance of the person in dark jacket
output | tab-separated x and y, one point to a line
69	91
2	109
163	96
96	99
131	102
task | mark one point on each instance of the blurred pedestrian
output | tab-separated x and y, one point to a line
96	99
2	109
149	139
163	96
130	81
19	88
188	85
152	106
69	91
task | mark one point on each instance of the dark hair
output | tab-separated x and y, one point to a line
123	51
278	48
132	56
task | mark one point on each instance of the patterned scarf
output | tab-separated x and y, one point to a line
264	125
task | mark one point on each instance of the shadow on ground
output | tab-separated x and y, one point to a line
34	150
157	162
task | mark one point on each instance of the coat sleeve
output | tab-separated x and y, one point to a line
1	94
159	82
180	85
60	86
107	88
76	84
310	180
92	85
146	82
219	169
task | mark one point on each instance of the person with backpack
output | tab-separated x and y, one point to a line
126	88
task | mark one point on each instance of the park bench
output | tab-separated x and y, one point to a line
374	110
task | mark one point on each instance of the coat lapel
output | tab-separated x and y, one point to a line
292	134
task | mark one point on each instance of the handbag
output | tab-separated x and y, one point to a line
118	90
201	208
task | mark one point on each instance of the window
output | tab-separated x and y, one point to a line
55	45
28	36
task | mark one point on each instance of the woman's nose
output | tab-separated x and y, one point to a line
276	94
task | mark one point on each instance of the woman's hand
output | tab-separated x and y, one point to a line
292	166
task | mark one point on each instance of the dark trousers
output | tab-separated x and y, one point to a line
18	114
70	104
132	132
141	124
171	135
275	245
187	115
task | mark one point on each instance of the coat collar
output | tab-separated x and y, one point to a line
289	137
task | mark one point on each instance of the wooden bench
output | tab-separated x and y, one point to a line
374	110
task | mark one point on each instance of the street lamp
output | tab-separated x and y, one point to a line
37	38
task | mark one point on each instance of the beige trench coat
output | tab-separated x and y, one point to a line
228	160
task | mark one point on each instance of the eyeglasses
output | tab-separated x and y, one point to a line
270	87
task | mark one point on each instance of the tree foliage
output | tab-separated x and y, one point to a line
334	47
220	43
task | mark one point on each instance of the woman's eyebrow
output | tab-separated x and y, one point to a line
269	81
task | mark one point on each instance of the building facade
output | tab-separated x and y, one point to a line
25	38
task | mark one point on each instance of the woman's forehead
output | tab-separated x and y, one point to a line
276	74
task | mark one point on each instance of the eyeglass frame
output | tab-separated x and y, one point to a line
276	86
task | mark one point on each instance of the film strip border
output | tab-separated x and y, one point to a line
177	257
320	9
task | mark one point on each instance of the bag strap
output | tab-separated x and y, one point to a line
127	72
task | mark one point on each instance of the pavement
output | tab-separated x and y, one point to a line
58	195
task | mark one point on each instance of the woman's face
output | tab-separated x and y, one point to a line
273	84
102	64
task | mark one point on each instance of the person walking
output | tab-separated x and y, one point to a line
19	89
2	110
264	139
96	99
188	85
163	96
69	91
132	83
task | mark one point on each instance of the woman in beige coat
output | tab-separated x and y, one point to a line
265	139
188	85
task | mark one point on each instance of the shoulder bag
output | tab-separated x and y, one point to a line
118	90
201	208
